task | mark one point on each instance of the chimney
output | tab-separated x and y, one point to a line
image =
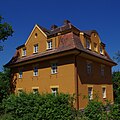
53	27
66	22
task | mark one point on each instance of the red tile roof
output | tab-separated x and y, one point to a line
68	41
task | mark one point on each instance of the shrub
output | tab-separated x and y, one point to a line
95	110
38	107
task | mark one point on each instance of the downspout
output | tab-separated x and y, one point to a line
76	82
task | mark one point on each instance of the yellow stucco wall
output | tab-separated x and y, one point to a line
64	78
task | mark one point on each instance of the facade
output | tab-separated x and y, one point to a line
63	59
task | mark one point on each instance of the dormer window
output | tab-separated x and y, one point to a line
101	50
88	44
35	50
49	44
24	52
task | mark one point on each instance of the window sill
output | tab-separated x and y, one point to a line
54	73
35	53
89	49
35	75
23	55
48	49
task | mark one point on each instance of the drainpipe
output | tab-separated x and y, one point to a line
76	81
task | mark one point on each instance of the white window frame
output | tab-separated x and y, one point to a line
104	92
101	50
89	67
88	43
54	90
35	90
49	44
35	71
53	68
35	50
20	74
90	93
24	52
19	91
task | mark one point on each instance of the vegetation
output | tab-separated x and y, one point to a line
49	107
116	86
5	31
37	107
4	83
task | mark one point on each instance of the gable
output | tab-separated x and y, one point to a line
35	29
37	36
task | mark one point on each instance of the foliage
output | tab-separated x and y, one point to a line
114	113
38	107
5	30
95	110
116	86
4	83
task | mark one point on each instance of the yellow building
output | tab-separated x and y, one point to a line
63	59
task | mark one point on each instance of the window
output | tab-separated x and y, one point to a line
49	44
95	47
104	92
24	52
89	67
101	50
36	35
20	74
35	48
20	91
53	68
35	90
35	72
54	91
102	70
88	44
90	93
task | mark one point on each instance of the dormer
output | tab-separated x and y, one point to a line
102	48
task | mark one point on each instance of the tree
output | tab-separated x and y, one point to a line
116	86
4	83
5	30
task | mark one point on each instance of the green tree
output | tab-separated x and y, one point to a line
4	83
114	113
116	86
5	31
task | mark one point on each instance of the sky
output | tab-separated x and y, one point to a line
100	15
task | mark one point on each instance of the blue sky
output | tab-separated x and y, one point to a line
101	15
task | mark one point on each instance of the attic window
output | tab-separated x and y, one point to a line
88	44
36	35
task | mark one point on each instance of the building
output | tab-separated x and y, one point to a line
63	59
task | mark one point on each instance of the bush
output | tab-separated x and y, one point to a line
95	110
38	107
114	113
